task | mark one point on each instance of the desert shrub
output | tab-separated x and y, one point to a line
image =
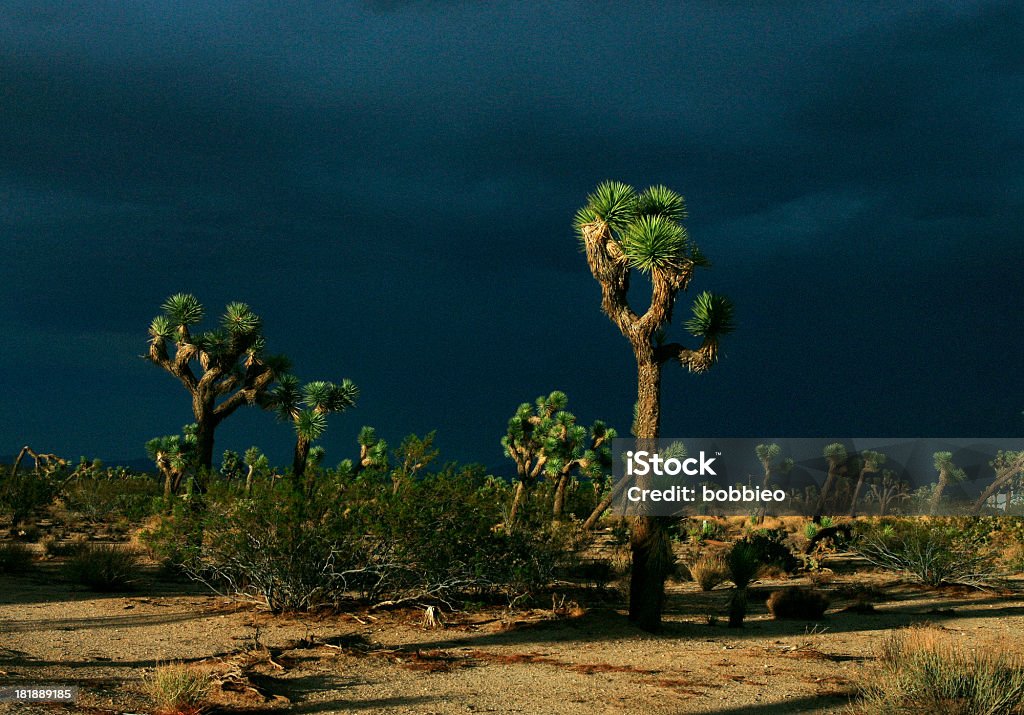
933	553
435	538
770	549
707	530
797	603
103	567
27	491
54	546
15	557
709	571
178	688
113	494
925	670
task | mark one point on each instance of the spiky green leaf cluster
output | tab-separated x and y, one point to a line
713	316
835	453
646	225
183	309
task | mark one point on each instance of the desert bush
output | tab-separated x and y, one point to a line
178	688
107	496
54	546
797	603
933	553
437	538
103	567
926	670
709	571
770	549
15	557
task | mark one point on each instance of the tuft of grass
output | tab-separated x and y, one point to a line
15	557
709	571
178	688
797	603
923	669
103	567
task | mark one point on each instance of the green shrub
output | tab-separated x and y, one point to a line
797	603
744	564
103	567
926	670
15	557
934	553
110	495
435	538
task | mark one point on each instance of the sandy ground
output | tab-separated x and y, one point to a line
493	661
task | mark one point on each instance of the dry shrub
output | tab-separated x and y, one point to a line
924	669
821	578
178	688
709	571
797	603
103	567
15	557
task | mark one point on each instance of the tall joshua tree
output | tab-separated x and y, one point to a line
948	473
836	455
544	439
870	463
307	406
621	231
767	454
222	369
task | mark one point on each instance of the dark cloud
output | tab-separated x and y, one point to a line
392	185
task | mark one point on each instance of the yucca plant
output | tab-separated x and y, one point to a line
306	407
743	565
222	368
1008	466
768	456
622	230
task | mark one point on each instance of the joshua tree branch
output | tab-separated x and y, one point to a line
673	351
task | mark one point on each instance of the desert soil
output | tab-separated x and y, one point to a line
495	661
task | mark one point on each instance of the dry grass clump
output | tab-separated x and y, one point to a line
797	603
103	567
15	557
178	688
923	669
709	571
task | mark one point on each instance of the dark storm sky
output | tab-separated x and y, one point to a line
391	186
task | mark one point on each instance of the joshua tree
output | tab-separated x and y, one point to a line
373	451
836	456
870	463
1008	466
544	439
307	406
948	472
766	455
888	489
255	462
621	231
175	456
232	368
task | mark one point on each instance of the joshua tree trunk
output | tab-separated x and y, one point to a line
1003	475
516	501
737	607
248	480
856	491
299	460
559	503
650	546
933	508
